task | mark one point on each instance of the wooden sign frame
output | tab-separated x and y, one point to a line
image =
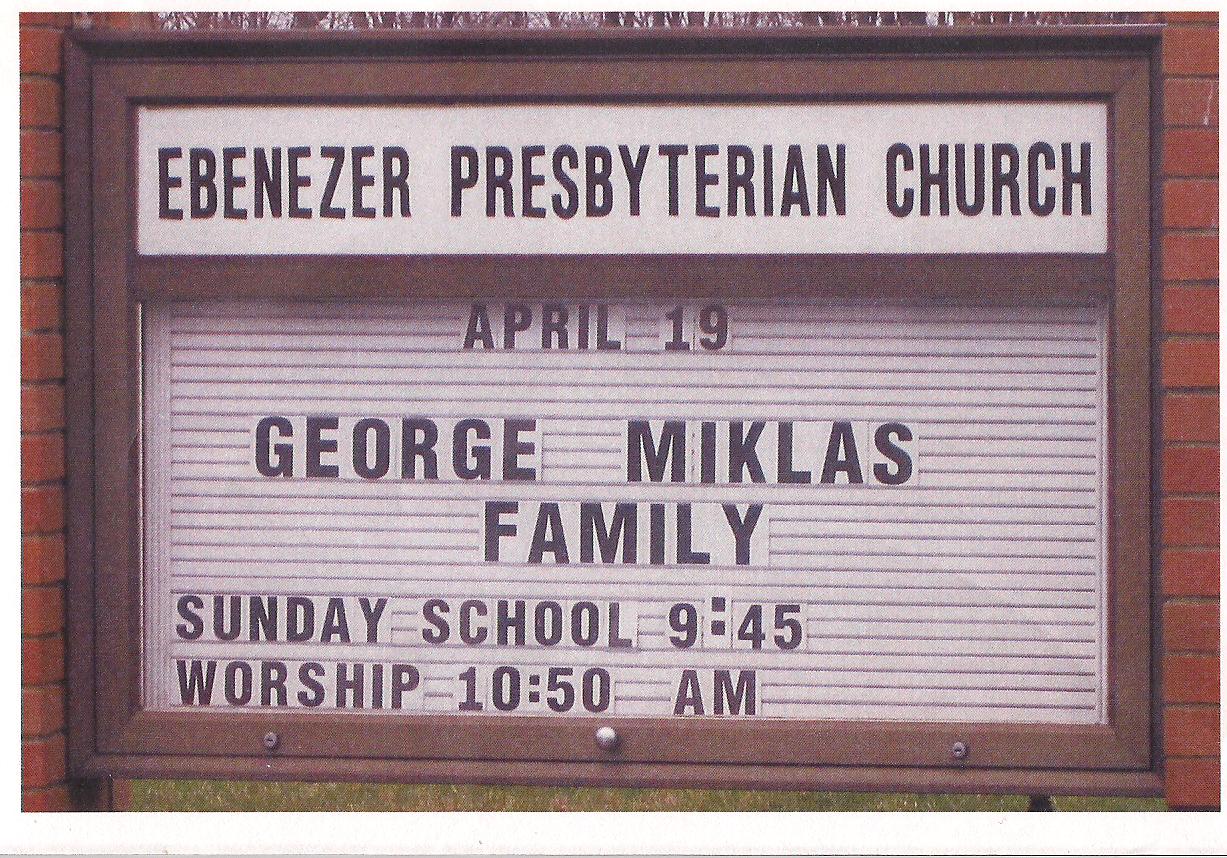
109	75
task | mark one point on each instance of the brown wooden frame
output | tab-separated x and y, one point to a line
109	74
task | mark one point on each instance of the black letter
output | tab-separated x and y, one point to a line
704	180
509	622
359	180
268	182
203	165
566	211
307	674
334	624
222	630
741	178
742	452
187	607
795	192
166	182
272	679
238	693
960	179
831	178
530	180
1005	178
930	179
461	182
514	448
1048	204
892	451
460	449
743	529
196	681
553	611
598	165
553	326
516	317
297	182
902	153
398	180
317	445
592	527
548	518
405	677
1069	177
230	181
685	554
639	446
495	528
337	154
411	447
634	173
468	633
371	613
299	619
478	328
432	611
842	439
784	472
262	618
284	466
498	178
673	151
383	444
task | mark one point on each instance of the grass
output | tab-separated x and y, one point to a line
256	795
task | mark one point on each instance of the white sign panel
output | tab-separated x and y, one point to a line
779	510
550	179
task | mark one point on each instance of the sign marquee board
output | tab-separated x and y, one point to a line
794	178
794	428
843	511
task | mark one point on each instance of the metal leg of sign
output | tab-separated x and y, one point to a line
1040	803
92	794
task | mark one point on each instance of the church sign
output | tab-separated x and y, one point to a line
742	409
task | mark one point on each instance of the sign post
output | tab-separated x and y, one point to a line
735	410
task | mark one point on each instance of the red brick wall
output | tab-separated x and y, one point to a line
42	415
1190	560
1190	514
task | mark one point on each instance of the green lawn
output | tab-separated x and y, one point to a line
253	795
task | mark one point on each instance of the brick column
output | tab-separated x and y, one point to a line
43	784
1190	469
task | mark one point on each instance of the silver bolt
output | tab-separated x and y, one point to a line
607	738
959	750
271	740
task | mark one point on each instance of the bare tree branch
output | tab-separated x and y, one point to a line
573	20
